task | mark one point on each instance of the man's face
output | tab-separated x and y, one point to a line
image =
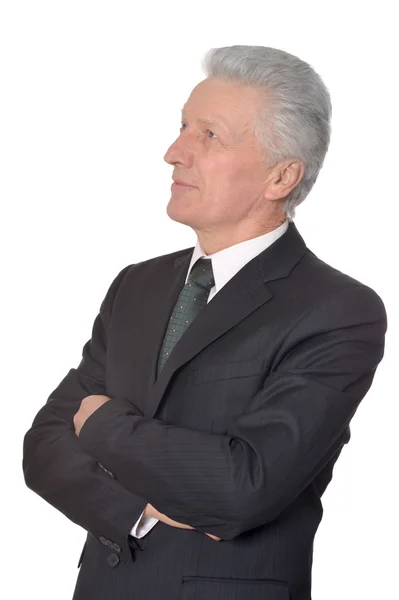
222	161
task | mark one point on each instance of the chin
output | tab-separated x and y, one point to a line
176	211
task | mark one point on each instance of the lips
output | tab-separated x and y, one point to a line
180	182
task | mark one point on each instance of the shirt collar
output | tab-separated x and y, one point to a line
227	262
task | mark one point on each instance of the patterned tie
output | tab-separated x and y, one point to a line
192	299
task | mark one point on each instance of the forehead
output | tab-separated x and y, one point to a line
216	102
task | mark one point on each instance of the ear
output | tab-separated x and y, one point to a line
283	179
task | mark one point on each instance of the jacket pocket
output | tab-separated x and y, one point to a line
224	588
246	368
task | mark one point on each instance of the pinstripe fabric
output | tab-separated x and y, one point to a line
192	299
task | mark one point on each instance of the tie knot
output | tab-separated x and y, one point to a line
202	273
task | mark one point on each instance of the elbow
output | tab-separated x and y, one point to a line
37	455
30	468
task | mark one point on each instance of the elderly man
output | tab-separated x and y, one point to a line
197	435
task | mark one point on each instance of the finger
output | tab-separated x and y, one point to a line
214	537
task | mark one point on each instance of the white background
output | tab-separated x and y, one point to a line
90	98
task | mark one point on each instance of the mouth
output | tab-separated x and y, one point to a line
178	185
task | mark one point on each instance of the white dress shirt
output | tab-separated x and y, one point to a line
225	264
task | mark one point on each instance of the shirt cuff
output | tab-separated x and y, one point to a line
143	526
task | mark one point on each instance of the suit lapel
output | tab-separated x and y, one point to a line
242	294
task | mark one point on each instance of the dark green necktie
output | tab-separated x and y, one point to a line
192	299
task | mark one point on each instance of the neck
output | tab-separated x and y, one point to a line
212	241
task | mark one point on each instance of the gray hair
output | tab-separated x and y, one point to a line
294	120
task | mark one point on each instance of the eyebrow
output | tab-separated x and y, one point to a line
204	121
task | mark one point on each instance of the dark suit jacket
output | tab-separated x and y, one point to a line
237	437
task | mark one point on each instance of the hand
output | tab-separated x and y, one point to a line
151	511
88	406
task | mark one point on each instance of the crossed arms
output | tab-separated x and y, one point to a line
222	484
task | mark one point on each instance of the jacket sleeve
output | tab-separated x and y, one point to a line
296	423
56	467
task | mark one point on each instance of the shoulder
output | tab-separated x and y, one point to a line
137	274
155	262
334	292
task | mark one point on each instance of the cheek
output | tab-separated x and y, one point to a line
218	174
226	175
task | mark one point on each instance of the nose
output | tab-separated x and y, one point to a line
180	152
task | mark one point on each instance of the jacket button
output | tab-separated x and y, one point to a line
116	547
113	559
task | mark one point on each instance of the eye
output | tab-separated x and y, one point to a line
214	136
